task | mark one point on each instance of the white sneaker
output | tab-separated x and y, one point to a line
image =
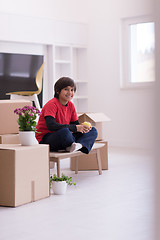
74	147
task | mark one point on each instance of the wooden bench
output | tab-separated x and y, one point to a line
57	156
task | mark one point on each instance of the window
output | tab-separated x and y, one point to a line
137	55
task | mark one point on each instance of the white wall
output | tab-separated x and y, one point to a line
68	10
157	158
130	110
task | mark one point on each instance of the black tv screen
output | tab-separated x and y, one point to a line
18	72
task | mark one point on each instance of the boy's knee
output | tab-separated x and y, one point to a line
65	131
66	136
95	132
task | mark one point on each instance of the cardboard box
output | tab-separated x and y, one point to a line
96	119
9	139
89	161
8	119
24	174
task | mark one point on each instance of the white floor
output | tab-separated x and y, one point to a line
119	204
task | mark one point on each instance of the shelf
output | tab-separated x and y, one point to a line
79	63
71	61
62	53
62	70
81	104
80	97
62	62
81	81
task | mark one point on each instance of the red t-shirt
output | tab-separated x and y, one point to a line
62	114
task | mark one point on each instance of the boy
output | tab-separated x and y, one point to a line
58	123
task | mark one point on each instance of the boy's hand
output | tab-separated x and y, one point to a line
83	128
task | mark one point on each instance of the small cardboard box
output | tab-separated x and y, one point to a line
8	119
96	119
89	161
9	139
24	174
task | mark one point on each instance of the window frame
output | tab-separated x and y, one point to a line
125	52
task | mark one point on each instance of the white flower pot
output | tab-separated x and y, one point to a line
27	138
59	188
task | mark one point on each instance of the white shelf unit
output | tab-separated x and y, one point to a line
71	61
62	61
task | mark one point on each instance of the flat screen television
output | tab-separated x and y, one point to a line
18	72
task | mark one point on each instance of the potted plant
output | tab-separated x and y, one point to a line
59	184
27	124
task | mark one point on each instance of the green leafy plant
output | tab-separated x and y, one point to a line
27	118
68	180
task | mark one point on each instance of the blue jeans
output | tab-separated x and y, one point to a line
63	138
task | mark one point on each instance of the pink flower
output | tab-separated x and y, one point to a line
26	119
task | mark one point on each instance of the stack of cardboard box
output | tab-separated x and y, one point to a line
8	120
24	170
24	174
89	162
